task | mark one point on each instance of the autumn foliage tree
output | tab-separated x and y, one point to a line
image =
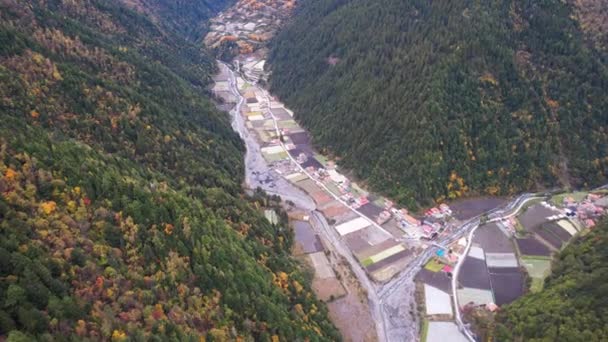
121	211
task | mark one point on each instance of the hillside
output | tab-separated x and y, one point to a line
435	100
121	210
572	305
185	17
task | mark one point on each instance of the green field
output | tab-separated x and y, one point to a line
433	266
244	86
538	268
425	330
381	202
536	285
358	191
518	227
289	124
367	262
321	158
275	156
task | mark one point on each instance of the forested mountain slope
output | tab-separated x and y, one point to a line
440	99
185	17
121	210
573	304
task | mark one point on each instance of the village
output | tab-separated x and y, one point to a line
263	17
454	280
385	238
381	235
502	254
382	238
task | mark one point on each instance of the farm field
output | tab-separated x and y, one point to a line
469	295
507	284
321	265
438	280
532	247
469	207
492	239
439	330
538	268
535	216
490	272
501	260
436	301
306	237
433	266
474	274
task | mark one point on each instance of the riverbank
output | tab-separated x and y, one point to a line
331	262
373	248
377	251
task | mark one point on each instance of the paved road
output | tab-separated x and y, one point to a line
392	304
255	166
404	327
512	209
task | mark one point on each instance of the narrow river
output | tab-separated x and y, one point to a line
390	304
257	171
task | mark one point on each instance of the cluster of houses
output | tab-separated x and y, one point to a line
435	220
249	24
433	223
588	210
439	212
430	225
339	183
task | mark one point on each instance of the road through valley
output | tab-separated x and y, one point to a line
392	304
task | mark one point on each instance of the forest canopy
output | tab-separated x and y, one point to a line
435	100
121	210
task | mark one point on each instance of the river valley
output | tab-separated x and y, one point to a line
371	250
